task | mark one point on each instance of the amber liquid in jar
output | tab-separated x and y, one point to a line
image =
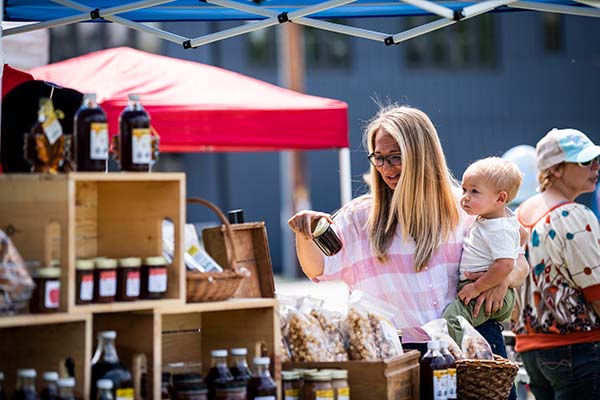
135	141
128	279
326	239
46	295
84	281
105	280
90	136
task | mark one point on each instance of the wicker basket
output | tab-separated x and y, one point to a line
485	379
215	286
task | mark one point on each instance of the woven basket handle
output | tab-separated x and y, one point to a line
229	247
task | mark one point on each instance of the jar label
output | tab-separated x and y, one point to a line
291	394
99	141
343	393
439	384
52	294
265	398
124	394
141	146
86	289
451	383
52	128
324	394
108	283
133	284
157	280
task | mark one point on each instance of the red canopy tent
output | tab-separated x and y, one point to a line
12	77
198	107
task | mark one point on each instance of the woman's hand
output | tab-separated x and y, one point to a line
303	221
493	298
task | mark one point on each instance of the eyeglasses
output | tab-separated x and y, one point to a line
586	164
378	161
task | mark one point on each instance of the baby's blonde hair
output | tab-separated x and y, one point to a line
499	173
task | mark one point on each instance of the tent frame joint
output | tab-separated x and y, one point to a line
95	14
187	44
388	41
283	17
459	14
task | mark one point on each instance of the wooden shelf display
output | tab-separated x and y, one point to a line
88	215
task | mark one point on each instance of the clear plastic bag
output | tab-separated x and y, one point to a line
474	346
16	285
305	338
438	330
331	323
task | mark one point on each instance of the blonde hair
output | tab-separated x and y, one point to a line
499	173
546	177
424	205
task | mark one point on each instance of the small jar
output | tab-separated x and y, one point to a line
46	295
154	278
84	275
105	280
128	279
317	385
339	381
189	386
231	391
292	385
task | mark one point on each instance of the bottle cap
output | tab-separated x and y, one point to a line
236	216
239	351
104	384
134	97
66	382
261	361
106	263
321	227
219	353
339	374
26	373
433	345
290	375
89	96
84	264
51	376
130	262
318	376
107	335
154	261
50	272
54	263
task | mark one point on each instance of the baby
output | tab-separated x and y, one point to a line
492	243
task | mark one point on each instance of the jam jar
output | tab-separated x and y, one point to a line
128	279
292	385
339	381
105	280
154	278
84	275
46	295
317	385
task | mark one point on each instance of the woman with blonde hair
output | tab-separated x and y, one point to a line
402	241
558	330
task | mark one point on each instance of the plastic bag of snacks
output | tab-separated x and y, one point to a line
16	285
474	346
438	330
331	323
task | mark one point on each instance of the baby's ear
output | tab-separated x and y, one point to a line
502	196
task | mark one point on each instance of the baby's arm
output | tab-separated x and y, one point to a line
495	275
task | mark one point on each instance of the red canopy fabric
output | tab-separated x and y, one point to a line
198	107
12	77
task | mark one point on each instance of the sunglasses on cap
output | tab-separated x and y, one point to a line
392	159
588	163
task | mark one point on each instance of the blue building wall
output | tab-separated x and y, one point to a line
477	111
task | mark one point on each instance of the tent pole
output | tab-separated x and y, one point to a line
345	176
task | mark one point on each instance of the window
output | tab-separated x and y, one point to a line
470	43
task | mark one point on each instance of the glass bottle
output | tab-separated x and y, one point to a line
135	140
90	136
66	387
261	385
239	366
25	385
2	393
45	144
106	365
50	390
451	367
433	372
219	373
105	387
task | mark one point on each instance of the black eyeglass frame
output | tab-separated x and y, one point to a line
373	158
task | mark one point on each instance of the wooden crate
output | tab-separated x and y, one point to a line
393	379
43	342
85	215
252	252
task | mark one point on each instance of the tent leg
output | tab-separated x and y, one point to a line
345	176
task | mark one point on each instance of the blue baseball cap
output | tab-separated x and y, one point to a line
565	145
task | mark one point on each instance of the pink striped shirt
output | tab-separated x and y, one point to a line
418	297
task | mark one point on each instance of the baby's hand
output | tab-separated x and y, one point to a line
468	293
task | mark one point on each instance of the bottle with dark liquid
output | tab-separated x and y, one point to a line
106	365
433	372
219	373
50	390
239	366
261	385
25	385
451	367
2	393
105	387
66	386
135	140
90	136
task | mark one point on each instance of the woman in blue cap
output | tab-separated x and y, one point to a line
558	326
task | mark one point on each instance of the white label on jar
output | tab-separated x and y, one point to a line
52	294
452	383
133	284
99	141
157	280
108	283
264	398
439	380
141	146
86	289
52	129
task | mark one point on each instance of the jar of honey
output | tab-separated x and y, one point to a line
105	280
128	279
154	278
84	276
46	295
